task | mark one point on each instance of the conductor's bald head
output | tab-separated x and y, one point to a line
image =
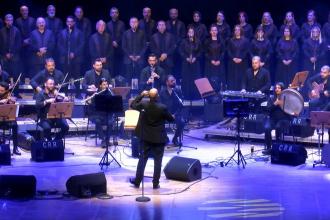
153	94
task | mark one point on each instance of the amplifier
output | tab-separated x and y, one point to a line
5	158
301	127
290	154
254	123
42	151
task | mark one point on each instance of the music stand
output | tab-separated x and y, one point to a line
320	120
60	110
109	104
299	80
8	113
236	108
204	87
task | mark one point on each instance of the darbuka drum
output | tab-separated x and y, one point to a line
293	102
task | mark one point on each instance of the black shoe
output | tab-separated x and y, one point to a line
156	186
175	141
133	182
16	152
267	152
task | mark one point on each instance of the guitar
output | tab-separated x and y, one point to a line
316	90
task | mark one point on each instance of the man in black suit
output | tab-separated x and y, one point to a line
256	79
53	23
163	45
70	48
152	76
152	133
37	82
94	76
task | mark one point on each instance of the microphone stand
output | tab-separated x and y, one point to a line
142	198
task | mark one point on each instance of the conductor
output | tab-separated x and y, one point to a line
152	133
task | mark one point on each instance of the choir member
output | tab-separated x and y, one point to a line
1	23
223	27
134	47
214	59
70	48
247	28
326	35
116	28
4	76
82	23
175	26
308	25
37	82
42	43
163	45
269	28
10	46
190	50
53	23
43	101
25	25
200	28
287	51
314	50
100	45
289	21
147	24
238	51
152	76
6	98
262	47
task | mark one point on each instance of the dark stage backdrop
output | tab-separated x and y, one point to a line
99	9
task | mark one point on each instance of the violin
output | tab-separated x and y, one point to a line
7	99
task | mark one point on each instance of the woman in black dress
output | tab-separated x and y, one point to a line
269	28
238	51
306	27
289	21
223	27
200	28
261	47
247	28
314	49
190	52
287	52
214	55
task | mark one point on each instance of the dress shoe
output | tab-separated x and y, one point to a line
16	152
156	186
133	182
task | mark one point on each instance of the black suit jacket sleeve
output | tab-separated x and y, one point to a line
137	104
266	82
36	80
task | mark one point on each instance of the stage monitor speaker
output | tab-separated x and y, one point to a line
183	169
42	151
326	154
290	154
254	123
17	186
301	127
5	157
213	112
86	186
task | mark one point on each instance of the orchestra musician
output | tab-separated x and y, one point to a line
319	87
171	97
153	75
100	118
37	82
277	119
6	98
43	101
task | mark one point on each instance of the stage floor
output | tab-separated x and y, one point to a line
261	191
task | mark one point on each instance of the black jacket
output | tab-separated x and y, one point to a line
163	43
259	82
151	125
135	44
40	78
145	75
91	78
38	40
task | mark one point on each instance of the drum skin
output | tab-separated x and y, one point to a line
293	102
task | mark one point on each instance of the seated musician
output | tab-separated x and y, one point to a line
320	97
93	77
153	75
171	98
5	98
277	119
4	76
100	118
257	78
43	100
37	82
